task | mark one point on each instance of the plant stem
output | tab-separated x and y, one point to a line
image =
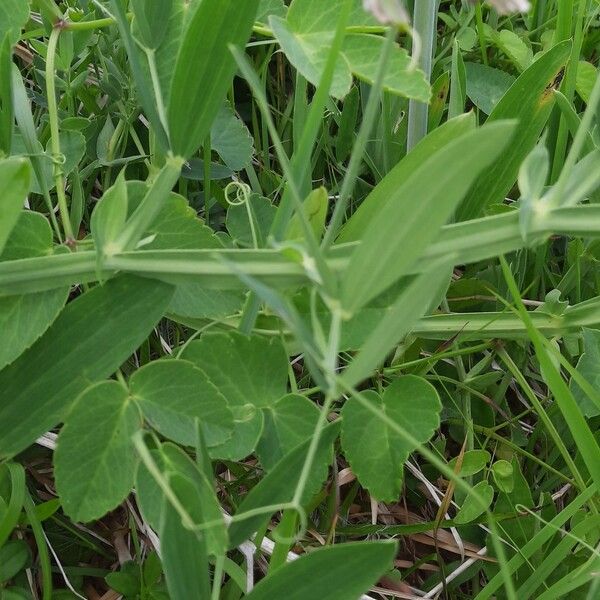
59	179
425	18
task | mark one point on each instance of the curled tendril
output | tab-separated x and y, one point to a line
58	159
237	193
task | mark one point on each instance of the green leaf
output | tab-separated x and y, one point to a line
173	394
14	14
306	36
204	69
109	217
238	221
336	572
586	78
530	100
471	508
266	8
399	233
288	423
95	460
14	556
15	175
90	340
486	86
150	19
278	486
385	191
250	372
23	319
172	460
589	367
503	473
231	140
184	552
473	461
6	95
512	45
376	452
315	208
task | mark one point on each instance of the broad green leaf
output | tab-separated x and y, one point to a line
251	373
520	54
586	78
91	338
94	462
503	473
374	450
150	19
486	86
12	478
204	69
109	217
172	460
230	139
23	319
472	462
238	220
397	236
530	100
288	422
278	486
15	175
337	572
589	367
14	556
315	208
72	147
266	8
193	301
184	552
307	33
384	192
245	369
14	14
471	508
173	394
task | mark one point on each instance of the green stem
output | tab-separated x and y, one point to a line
425	18
42	547
59	179
207	192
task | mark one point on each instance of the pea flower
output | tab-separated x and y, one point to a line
507	6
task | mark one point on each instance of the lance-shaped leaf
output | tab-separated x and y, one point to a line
95	459
91	338
205	68
530	99
375	450
397	236
335	572
15	174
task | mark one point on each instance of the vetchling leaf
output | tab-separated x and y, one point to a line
530	100
90	339
423	203
184	552
95	459
288	422
150	19
334	572
204	69
589	367
471	508
251	373
231	140
23	319
172	460
173	394
15	175
486	86
472	462
375	451
278	486
305	36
